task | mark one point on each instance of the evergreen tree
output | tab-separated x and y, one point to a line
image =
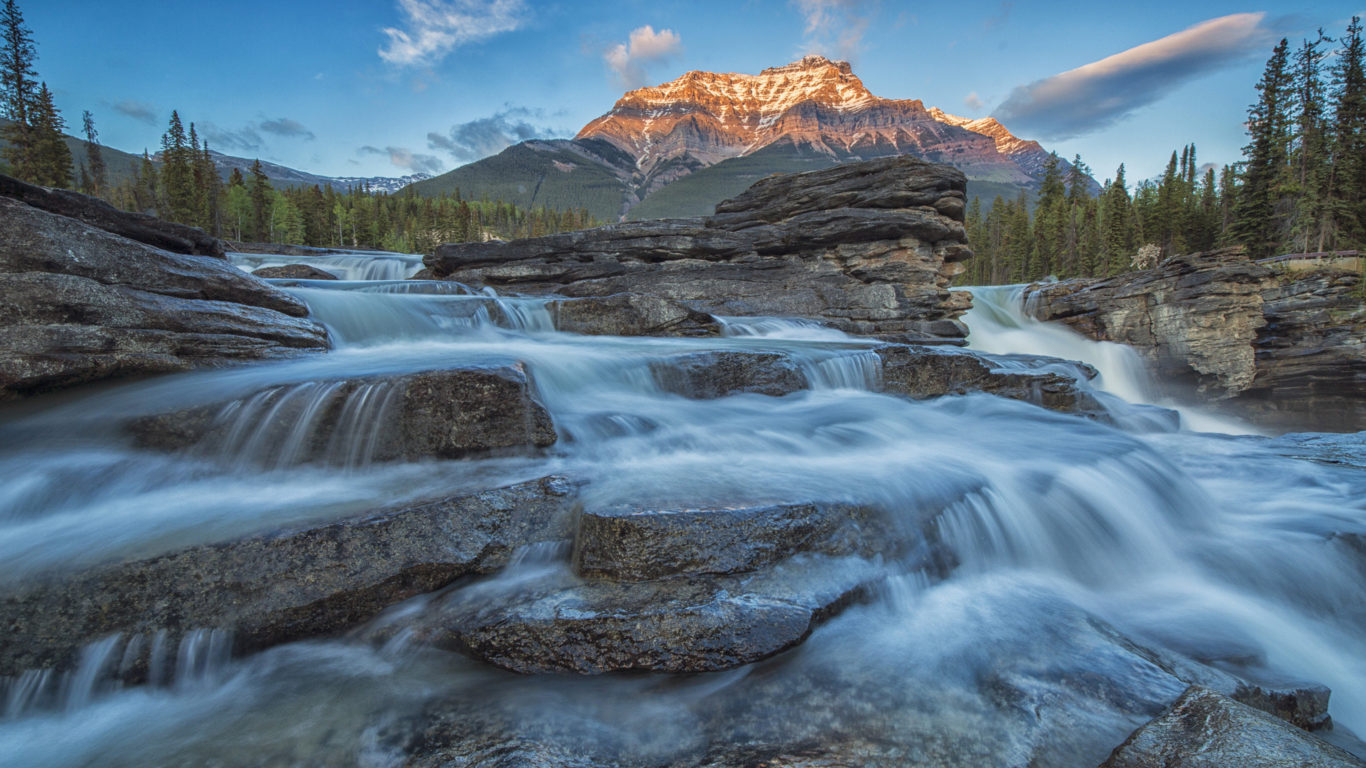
260	202
49	156
94	157
1255	223
18	87
177	174
1344	220
148	189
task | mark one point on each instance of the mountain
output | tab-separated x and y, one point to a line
679	148
122	166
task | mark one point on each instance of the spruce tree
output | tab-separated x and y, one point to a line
1255	224
18	88
49	157
177	174
1116	226
1344	220
94	156
260	193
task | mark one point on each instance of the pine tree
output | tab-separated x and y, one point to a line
1344	220
148	189
260	193
177	174
94	157
1255	224
18	88
1116	226
49	156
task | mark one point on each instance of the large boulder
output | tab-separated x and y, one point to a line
281	586
1206	730
78	304
1286	349
446	413
865	247
294	272
166	235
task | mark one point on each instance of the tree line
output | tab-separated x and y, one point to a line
1299	187
184	185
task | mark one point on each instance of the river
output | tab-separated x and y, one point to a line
1093	558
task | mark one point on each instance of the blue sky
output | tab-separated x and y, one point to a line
385	87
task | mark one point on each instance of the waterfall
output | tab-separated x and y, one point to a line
1222	551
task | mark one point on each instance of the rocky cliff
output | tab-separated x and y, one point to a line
712	133
89	293
867	247
1287	350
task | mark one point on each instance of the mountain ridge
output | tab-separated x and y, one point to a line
714	133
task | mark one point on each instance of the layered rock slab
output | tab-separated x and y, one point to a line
446	413
866	247
285	585
78	304
1287	350
1204	728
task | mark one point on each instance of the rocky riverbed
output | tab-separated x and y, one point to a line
633	526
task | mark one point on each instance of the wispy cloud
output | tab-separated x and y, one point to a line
973	101
1103	92
999	18
138	110
244	139
290	129
406	159
486	136
835	27
431	29
629	60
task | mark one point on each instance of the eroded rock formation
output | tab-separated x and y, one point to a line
868	248
79	304
1286	349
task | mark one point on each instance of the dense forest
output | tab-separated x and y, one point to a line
1300	186
185	185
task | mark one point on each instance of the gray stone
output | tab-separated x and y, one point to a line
285	585
141	227
559	623
633	544
707	375
630	314
78	304
923	372
1204	728
864	247
448	413
1303	706
1287	350
294	272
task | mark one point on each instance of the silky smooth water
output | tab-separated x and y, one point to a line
1074	540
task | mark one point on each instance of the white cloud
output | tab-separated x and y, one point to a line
406	159
434	28
973	101
644	47
835	27
1101	93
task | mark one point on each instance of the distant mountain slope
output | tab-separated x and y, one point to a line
683	146
122	166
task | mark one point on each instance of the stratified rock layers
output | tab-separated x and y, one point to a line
1287	350
867	248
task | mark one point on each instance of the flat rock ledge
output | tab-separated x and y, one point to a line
79	304
294	272
1204	729
868	248
674	590
278	587
446	414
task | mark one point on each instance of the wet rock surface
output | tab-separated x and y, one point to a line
281	586
294	272
630	314
707	375
429	414
694	623
866	247
168	236
1287	350
923	372
78	304
1204	728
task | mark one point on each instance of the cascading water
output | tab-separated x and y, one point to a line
1065	534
